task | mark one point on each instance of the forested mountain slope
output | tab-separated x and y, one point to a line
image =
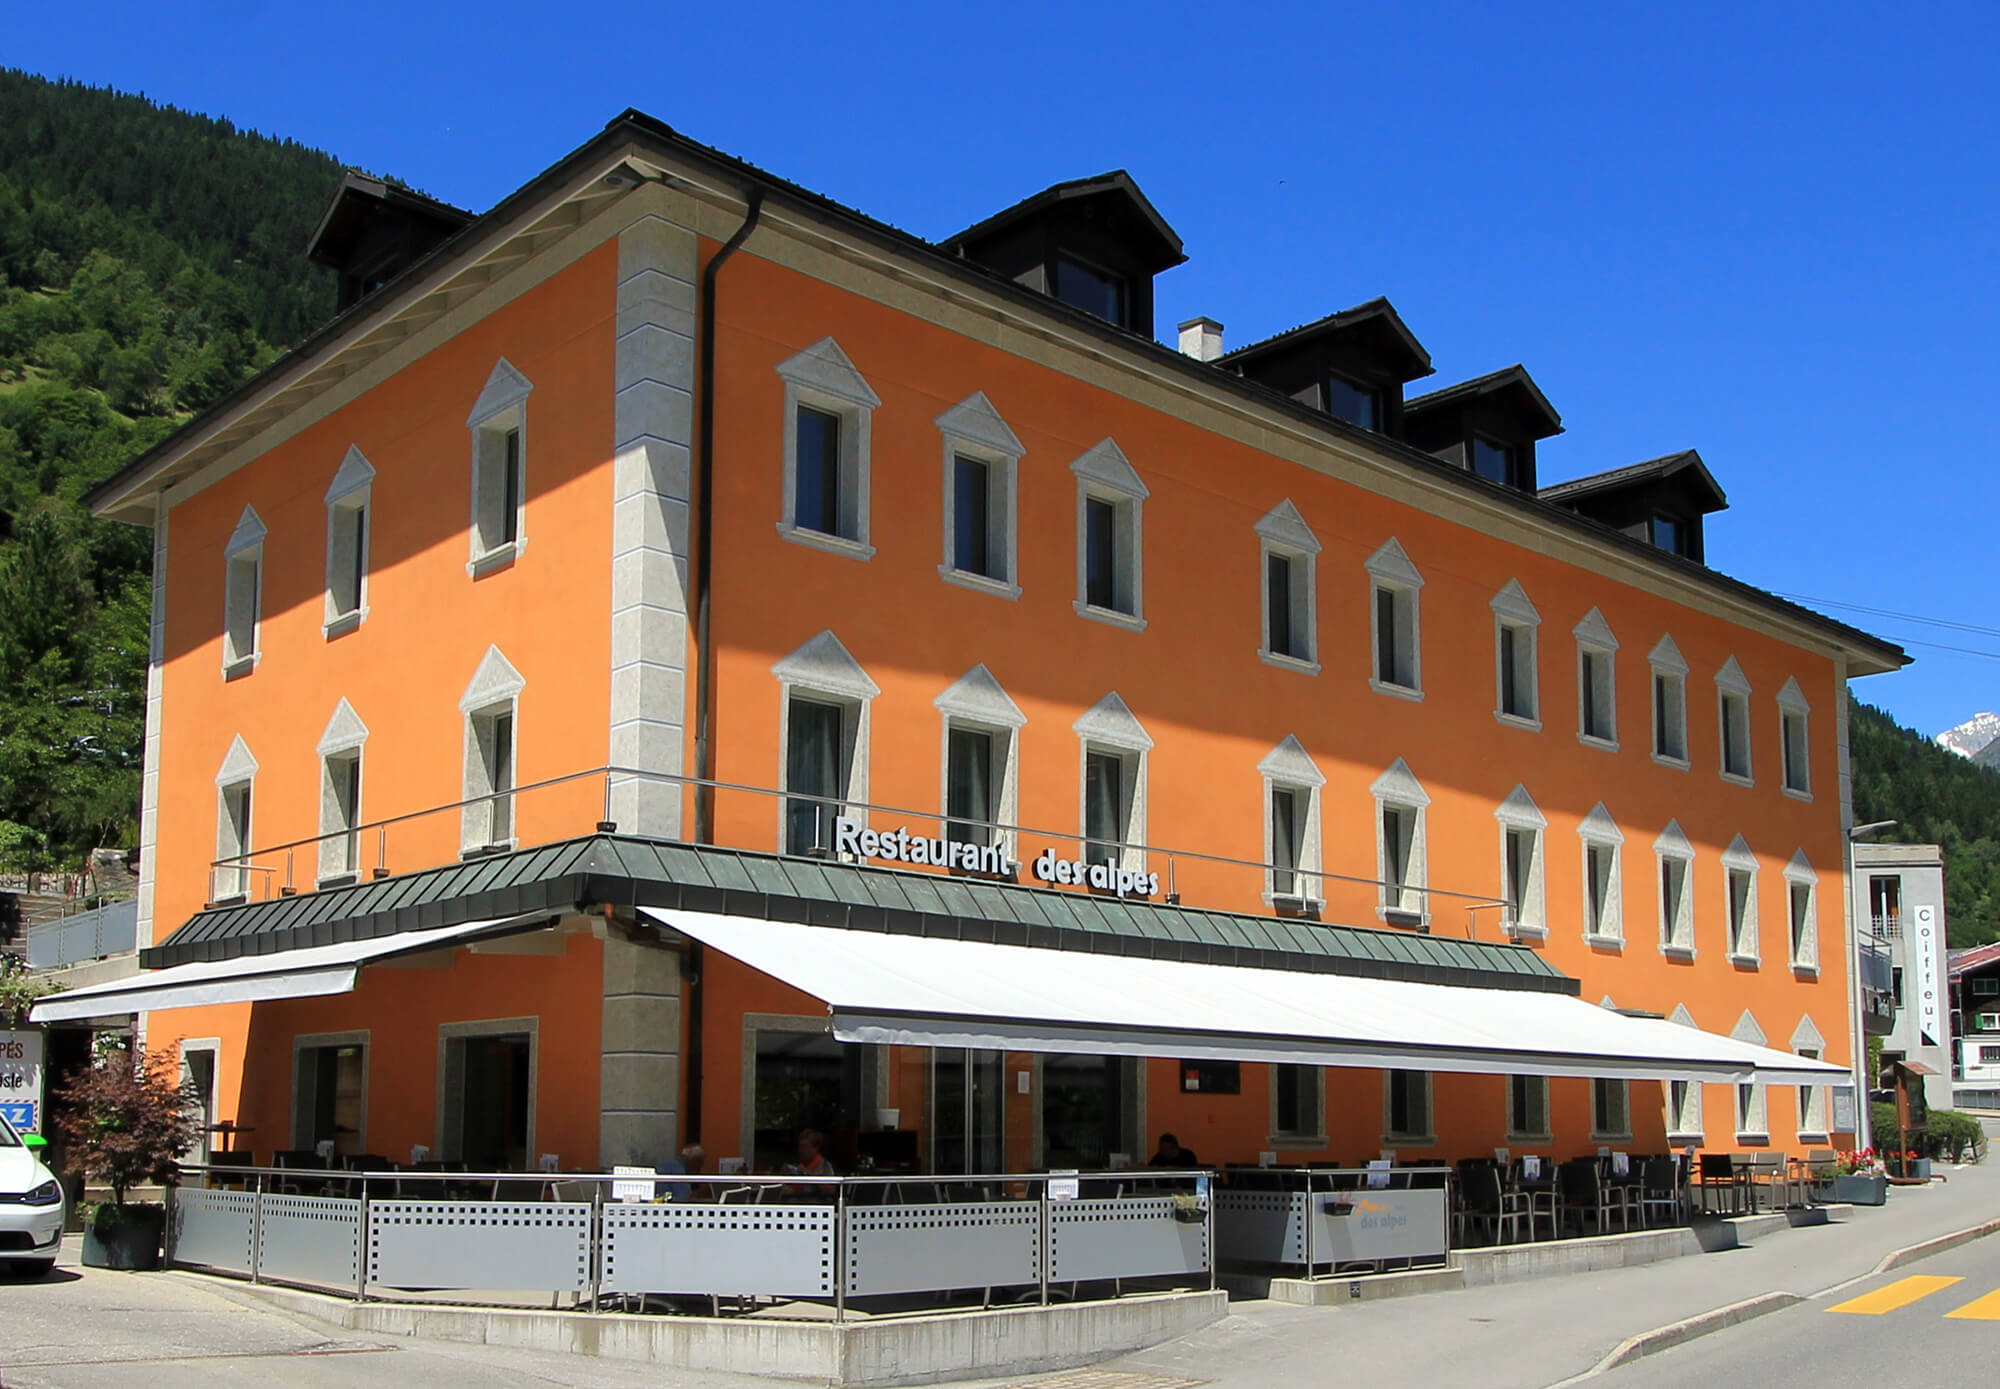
1936	797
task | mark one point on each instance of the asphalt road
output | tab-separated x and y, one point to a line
1936	1321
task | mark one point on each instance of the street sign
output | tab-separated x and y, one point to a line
21	1080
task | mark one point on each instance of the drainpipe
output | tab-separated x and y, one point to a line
704	653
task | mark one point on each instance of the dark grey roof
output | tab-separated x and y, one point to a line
626	872
1668	465
1117	182
1378	307
1508	380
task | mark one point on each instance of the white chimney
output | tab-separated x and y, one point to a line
1201	339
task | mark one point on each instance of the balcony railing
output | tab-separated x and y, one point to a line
755	818
112	929
1886	925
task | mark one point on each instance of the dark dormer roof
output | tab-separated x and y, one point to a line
1508	395
360	198
1388	340
1685	469
1157	244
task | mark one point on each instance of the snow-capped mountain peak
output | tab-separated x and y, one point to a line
1971	738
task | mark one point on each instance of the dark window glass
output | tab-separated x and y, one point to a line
1083	1111
1287	833
812	775
1278	585
1101	553
1298	1099
971	502
1406	1103
1104	806
1670	534
1355	404
969	786
1386	646
1520	864
1495	462
1091	290
816	488
510	489
1395	852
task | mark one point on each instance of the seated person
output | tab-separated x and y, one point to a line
693	1158
812	1161
1171	1154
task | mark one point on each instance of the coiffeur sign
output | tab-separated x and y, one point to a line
21	1080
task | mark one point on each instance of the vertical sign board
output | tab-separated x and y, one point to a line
21	1080
1927	974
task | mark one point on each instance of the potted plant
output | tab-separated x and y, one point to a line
1859	1180
129	1118
1911	1166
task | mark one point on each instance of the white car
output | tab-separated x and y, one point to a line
31	1204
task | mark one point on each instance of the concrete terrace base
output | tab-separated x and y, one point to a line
878	1351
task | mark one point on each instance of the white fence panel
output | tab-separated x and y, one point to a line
937	1247
681	1247
215	1229
1127	1237
512	1246
310	1239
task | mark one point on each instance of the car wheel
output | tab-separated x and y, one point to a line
32	1268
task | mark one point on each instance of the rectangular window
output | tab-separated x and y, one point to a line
973	548
1750	1111
1600	910
1521	846
1985	988
1517	670
1735	735
1669	716
1594	682
1610	1108
1396	637
1989	1056
242	598
972	790
1409	1114
489	820
816	762
327	1098
1885	906
1896	987
1288	832
497	484
816	499
347	557
1106	806
1496	462
1296	1101
1669	535
1812	1101
1683	1108
1527	1107
340	817
1094	291
232	842
1357	404
1801	899
1398	836
1676	918
1741	941
1103	557
1798	774
1280	637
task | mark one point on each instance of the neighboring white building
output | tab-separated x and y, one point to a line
1899	904
1975	1009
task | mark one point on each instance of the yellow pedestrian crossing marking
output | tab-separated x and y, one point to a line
1900	1293
1985	1308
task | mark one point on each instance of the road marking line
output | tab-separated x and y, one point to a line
1900	1293
1985	1308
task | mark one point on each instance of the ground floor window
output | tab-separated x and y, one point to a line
1610	1109
489	1095
803	1079
198	1071
1297	1111
1528	1108
1684	1109
329	1094
1089	1111
1408	1114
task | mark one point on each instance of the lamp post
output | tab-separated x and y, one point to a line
1858	1035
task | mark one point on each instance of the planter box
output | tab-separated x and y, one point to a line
132	1243
1857	1190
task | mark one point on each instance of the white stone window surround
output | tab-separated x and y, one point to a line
494	691
974	429
1795	774
1519	814
1390	569
977	701
822	377
1398	789
1668	664
1807	1041
823	671
1512	609
342	742
1109	726
1282	531
1676	934
1804	950
347	543
1752	1120
1621	1131
1684	1122
1289	767
1732	704
1599	831
1745	947
1596	680
348	514
1103	473
235	809
1538	1105
502	407
243	596
1393	1137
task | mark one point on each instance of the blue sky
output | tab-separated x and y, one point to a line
1762	231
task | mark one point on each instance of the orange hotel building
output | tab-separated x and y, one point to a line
580	615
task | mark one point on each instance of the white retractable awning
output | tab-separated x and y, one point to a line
908	990
305	973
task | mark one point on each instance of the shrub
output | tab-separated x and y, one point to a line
1956	1137
129	1118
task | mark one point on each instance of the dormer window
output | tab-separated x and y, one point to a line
1353	402
1092	290
1496	462
1669	533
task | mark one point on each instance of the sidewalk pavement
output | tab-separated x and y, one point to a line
1533	1334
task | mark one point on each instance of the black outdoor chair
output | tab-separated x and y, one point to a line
1581	1192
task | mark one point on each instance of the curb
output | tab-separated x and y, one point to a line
1896	1258
1675	1333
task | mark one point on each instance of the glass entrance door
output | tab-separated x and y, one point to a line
1083	1111
966	1099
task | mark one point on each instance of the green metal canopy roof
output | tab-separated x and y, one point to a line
628	872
